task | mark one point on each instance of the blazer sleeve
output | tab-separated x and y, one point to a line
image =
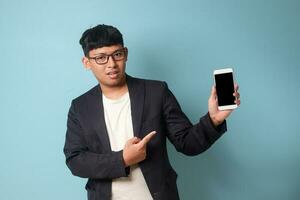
87	164
188	138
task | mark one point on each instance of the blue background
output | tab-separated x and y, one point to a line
180	42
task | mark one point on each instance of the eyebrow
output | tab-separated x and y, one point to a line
100	54
97	54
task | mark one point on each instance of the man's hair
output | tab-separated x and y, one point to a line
100	36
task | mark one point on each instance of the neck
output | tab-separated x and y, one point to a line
114	92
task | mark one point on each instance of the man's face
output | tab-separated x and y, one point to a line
108	65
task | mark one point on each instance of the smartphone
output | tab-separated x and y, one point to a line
224	83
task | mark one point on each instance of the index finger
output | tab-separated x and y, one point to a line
148	137
236	87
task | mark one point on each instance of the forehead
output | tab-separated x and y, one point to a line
105	50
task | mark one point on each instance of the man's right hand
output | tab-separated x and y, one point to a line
135	149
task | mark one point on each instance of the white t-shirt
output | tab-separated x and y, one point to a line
118	121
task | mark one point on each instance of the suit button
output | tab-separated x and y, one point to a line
155	195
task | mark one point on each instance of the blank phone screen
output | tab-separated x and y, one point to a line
225	89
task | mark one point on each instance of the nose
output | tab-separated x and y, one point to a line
111	63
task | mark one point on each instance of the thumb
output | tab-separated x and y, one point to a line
213	94
133	140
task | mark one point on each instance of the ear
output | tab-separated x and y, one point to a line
126	52
86	63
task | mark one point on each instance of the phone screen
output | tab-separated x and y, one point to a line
225	89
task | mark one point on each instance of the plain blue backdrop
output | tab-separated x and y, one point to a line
180	42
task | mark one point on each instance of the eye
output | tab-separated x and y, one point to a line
118	54
101	58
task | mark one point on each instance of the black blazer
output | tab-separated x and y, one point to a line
153	107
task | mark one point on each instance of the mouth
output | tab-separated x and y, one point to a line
113	74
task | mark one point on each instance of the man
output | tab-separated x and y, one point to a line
117	131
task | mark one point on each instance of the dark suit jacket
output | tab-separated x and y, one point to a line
153	107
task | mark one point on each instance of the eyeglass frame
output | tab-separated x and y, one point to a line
123	50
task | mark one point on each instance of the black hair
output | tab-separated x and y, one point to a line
100	36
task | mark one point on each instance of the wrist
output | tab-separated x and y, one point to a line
215	121
125	161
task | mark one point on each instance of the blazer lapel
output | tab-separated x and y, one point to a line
137	96
97	118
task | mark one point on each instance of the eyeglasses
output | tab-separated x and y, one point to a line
117	55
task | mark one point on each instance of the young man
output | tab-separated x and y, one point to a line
117	131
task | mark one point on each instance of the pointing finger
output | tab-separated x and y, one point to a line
147	138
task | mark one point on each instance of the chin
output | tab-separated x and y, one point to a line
113	83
